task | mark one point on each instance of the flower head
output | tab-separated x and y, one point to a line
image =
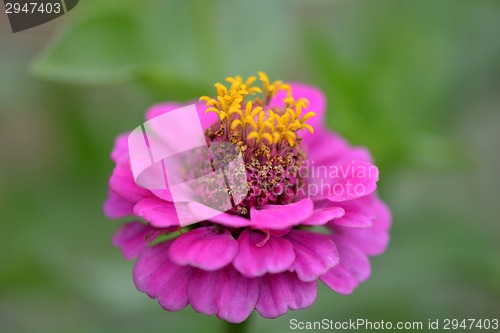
265	252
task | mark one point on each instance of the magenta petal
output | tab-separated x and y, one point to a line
339	279
161	108
133	238
237	297
353	259
120	149
206	119
355	179
252	260
372	240
229	220
283	291
281	216
160	278
223	292
358	214
204	291
173	283
157	212
323	215
123	184
325	148
116	207
315	254
208	248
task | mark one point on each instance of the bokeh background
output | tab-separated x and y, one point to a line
416	81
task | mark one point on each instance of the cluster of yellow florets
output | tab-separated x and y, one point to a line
252	120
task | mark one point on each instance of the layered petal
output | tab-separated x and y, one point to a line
258	256
280	292
225	292
156	275
315	254
281	216
353	268
353	258
349	181
230	220
359	213
120	149
123	184
157	212
206	119
208	248
323	213
115	206
325	148
340	280
373	240
133	238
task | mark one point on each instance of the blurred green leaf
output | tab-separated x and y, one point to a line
101	49
187	42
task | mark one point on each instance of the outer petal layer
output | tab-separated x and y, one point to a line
160	278
353	268
133	238
224	292
158	212
116	207
280	292
315	254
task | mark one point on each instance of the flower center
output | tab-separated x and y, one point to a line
265	136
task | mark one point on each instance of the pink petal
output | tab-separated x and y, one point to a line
353	259
355	179
123	184
230	220
133	238
315	254
238	296
373	240
157	212
354	267
324	214
208	248
120	149
281	216
204	291
283	291
325	148
116	207
358	214
275	256
224	292
163	194
206	119
160	278
339	279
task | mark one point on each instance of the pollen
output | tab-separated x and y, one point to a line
266	132
245	114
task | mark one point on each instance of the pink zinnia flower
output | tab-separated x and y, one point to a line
311	212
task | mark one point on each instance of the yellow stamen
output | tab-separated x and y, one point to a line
252	120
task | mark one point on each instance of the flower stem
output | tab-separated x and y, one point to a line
237	328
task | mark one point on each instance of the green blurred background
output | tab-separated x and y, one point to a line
418	82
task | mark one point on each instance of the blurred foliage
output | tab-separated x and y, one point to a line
416	81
